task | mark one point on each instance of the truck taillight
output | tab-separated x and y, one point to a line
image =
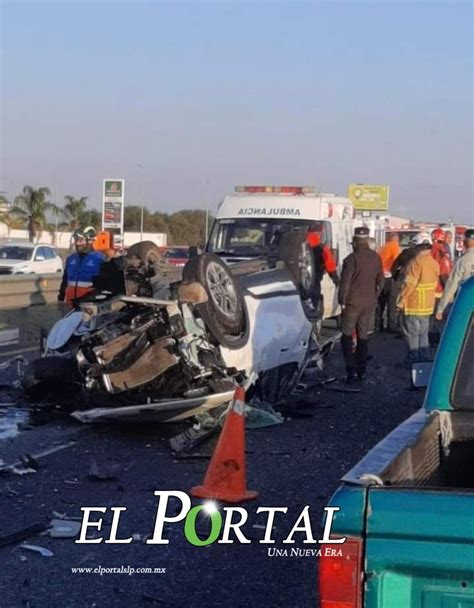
340	576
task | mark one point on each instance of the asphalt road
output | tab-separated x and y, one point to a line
293	464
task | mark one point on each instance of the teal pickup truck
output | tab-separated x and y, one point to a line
407	508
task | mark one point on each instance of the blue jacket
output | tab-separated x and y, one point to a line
80	269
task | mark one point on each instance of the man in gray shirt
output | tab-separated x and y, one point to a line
463	270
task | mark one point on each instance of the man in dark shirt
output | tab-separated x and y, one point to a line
362	279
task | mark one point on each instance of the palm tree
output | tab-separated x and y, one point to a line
4	202
92	217
11	223
75	209
32	206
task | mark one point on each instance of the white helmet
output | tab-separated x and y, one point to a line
422	238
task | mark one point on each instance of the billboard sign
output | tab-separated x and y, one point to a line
369	197
113	204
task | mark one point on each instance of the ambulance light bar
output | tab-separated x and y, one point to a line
277	189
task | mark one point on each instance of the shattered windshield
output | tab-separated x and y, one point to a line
15	253
250	237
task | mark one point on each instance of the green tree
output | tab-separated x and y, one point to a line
132	218
32	206
4	202
91	217
182	228
10	221
74	210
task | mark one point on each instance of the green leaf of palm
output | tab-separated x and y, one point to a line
74	210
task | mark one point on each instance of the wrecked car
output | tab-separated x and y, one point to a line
173	346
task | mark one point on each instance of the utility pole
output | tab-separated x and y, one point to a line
207	210
56	213
140	167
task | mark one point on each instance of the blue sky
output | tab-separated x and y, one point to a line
207	95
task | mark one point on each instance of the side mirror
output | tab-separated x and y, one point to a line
420	373
40	258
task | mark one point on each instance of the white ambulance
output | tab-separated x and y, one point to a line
248	222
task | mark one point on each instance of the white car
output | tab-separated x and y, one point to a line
29	258
140	356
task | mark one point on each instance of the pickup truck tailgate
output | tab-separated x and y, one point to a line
419	550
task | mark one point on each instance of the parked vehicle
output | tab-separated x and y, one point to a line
406	236
144	355
176	256
408	232
407	507
28	258
251	222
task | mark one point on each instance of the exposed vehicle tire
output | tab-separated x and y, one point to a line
47	374
223	313
223	337
314	314
295	251
146	251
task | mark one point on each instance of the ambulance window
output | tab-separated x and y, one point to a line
327	233
247	236
253	236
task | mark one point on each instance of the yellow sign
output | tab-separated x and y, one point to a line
369	197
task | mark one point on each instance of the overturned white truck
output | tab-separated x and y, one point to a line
166	351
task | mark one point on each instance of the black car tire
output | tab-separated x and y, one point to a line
314	315
145	251
295	252
223	313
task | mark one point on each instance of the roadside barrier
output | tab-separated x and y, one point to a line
225	479
27	303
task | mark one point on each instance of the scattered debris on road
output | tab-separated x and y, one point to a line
36	549
24	534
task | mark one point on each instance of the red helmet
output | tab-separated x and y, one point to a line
438	235
313	238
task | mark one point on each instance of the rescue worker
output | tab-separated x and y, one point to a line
449	243
81	267
417	301
400	264
463	270
111	277
323	262
388	254
440	254
444	241
361	281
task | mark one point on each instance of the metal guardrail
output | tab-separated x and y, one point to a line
27	304
28	307
23	291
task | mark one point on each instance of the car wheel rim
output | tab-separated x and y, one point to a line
305	264
221	290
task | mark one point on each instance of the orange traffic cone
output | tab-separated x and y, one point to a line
225	478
